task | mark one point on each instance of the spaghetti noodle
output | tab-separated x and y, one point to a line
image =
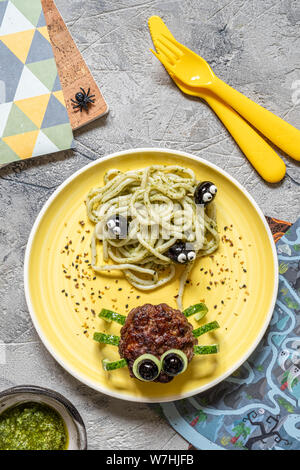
158	205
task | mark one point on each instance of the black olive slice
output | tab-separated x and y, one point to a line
117	226
146	367
174	362
205	192
181	252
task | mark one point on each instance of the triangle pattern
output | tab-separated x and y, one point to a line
44	32
34	108
45	71
29	86
22	144
10	68
3	6
42	21
4	113
56	114
2	92
40	49
57	85
17	123
31	9
14	21
61	136
60	97
19	43
33	115
44	145
7	155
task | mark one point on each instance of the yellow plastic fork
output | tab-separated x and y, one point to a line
263	158
195	72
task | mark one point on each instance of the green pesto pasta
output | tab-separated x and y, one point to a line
158	204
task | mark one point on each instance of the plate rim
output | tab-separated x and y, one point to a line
43	337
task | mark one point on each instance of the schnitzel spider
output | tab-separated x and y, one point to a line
157	342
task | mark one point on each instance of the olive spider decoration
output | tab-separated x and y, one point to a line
205	192
117	226
181	252
156	342
83	99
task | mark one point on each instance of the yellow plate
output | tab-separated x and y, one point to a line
238	284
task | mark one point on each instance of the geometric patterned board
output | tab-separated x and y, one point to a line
72	69
33	116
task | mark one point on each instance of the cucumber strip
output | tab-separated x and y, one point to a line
201	315
206	328
109	316
107	339
212	349
108	365
200	309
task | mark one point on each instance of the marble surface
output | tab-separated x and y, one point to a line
253	45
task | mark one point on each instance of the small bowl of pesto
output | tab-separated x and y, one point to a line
36	418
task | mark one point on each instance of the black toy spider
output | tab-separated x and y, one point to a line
83	99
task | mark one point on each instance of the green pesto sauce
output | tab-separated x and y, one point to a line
32	426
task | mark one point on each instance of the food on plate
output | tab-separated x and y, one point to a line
32	426
156	342
205	192
151	220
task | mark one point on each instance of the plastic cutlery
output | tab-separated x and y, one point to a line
263	158
195	72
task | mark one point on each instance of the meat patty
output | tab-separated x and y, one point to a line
154	329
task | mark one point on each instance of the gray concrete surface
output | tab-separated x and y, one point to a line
253	45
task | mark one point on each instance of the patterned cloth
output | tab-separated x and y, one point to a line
33	115
278	227
257	408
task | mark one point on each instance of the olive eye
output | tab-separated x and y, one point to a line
191	256
207	197
111	224
174	362
117	226
181	258
146	367
213	189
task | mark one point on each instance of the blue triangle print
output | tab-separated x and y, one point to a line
40	49
55	114
57	85
3	6
10	72
42	21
